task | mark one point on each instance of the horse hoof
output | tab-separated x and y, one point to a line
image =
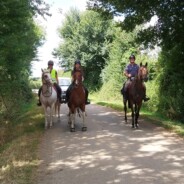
84	129
72	129
137	126
133	126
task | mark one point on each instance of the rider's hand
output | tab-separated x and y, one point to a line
129	75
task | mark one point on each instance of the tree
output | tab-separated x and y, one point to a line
86	37
19	38
167	31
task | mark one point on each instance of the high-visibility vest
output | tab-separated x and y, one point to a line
53	75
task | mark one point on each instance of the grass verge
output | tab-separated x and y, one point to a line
18	154
156	117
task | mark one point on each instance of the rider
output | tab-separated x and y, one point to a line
130	72
54	77
77	67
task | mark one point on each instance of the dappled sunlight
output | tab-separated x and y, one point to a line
112	152
154	147
37	116
105	113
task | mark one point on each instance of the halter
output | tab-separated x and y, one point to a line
143	73
47	84
77	79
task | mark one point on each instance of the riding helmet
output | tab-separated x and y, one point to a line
132	56
50	62
77	62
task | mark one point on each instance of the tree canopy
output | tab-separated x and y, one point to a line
167	31
85	37
19	38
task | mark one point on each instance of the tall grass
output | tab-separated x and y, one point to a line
111	98
18	146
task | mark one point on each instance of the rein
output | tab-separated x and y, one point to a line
46	91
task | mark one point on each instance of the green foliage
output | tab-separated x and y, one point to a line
168	33
86	37
35	83
19	39
168	30
172	80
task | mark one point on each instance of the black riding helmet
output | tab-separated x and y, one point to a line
132	56
50	62
77	62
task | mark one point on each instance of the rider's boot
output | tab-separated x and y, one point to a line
87	102
60	100
39	103
146	98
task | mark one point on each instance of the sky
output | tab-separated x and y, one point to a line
50	26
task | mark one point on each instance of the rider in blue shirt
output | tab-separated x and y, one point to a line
130	72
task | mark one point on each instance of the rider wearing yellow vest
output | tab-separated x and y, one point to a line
55	81
53	76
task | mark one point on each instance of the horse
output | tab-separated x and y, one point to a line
76	102
135	94
57	108
48	97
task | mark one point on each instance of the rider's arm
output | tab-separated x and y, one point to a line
127	74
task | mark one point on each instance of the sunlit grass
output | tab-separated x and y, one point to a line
18	154
157	118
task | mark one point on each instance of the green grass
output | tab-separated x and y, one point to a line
18	151
156	117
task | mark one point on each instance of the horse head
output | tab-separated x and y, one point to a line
77	78
143	72
46	77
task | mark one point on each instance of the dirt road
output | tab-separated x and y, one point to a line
110	152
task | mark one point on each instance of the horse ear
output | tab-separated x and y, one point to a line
146	64
141	64
42	70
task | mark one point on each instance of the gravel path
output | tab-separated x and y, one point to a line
110	152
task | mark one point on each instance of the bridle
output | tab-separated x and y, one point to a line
77	79
47	84
143	73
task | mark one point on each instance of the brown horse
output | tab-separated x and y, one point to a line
135	94
76	102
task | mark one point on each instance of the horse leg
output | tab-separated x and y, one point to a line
59	110
84	127
51	115
72	125
46	117
137	116
133	116
125	109
69	118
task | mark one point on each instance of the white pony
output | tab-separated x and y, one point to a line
48	97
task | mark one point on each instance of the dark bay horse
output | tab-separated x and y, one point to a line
135	94
76	102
